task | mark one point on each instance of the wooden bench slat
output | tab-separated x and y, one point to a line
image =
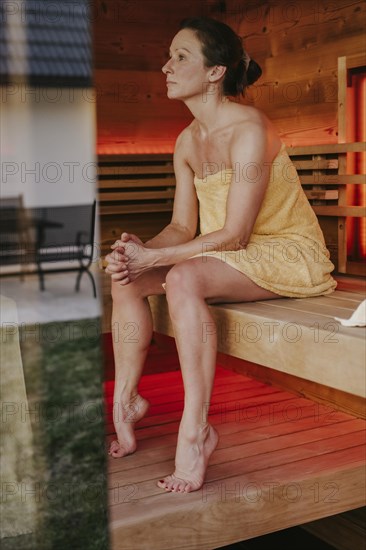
321	164
270	400
230	472
136	157
266	397
354	211
323	179
249	443
134	209
295	311
230	461
148	182
268	394
234	420
330	306
122	170
324	194
135	184
312	413
355	147
249	388
138	196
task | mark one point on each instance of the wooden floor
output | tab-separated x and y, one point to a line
282	460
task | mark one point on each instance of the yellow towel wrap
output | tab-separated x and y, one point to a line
286	253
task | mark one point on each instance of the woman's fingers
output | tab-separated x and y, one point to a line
116	258
125	238
116	267
121	276
118	251
117	244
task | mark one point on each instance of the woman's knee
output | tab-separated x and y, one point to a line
121	293
182	282
147	284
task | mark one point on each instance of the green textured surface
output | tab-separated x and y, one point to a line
63	375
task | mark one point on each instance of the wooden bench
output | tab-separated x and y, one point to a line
279	463
288	454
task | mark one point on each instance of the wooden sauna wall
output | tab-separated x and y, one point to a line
296	42
298	45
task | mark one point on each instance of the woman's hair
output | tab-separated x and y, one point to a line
222	46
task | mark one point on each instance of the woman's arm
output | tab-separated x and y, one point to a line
183	225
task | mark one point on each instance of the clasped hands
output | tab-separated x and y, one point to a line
129	259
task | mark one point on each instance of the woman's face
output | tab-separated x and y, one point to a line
185	71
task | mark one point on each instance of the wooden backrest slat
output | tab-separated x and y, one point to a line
133	184
356	147
342	211
119	209
333	179
315	164
137	196
121	170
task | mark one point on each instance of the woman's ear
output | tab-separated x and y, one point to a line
216	73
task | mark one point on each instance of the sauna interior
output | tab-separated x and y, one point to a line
313	89
87	139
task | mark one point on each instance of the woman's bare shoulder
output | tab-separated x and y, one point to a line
184	144
246	114
253	126
186	135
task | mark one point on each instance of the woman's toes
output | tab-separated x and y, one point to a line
188	488
113	447
164	483
118	451
172	484
169	486
161	483
180	486
175	487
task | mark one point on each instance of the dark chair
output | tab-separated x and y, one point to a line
64	234
15	234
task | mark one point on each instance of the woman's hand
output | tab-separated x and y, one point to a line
129	259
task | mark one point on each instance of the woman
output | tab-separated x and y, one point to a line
259	238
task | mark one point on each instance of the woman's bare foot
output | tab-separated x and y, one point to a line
191	461
125	417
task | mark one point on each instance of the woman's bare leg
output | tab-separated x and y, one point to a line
131	334
191	285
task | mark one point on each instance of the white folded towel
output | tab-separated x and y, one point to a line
357	319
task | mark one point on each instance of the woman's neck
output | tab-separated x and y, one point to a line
209	112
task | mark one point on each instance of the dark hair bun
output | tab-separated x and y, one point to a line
222	46
253	72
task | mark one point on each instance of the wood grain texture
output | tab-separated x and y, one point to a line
296	43
345	531
337	399
270	470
